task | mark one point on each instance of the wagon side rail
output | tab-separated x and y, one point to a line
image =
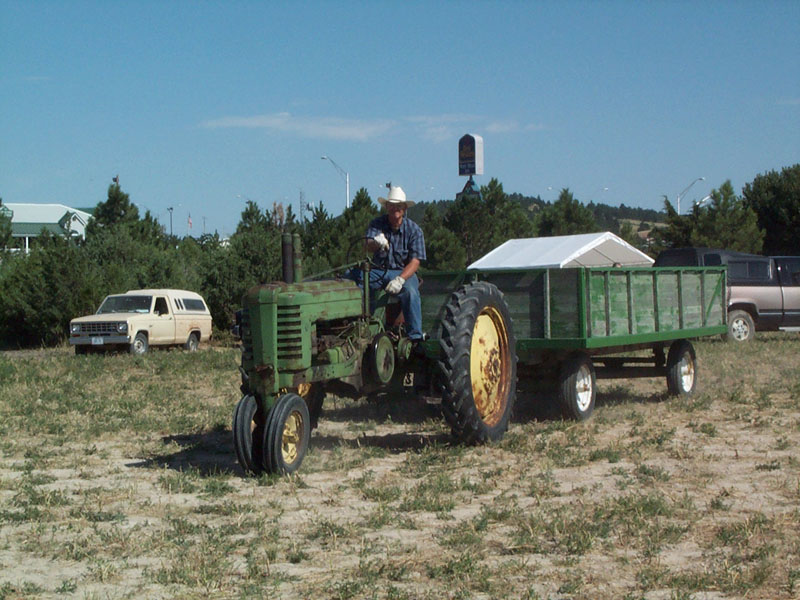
594	307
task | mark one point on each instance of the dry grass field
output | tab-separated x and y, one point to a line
118	480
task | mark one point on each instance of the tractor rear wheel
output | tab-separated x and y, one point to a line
479	363
248	426
287	434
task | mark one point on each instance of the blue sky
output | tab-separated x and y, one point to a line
203	105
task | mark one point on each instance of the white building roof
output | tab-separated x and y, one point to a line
42	213
602	249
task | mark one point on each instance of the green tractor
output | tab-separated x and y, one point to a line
303	339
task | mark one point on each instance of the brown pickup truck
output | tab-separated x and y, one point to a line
763	291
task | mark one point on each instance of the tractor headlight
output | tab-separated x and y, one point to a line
122	327
75	327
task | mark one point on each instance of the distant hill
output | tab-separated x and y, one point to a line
608	218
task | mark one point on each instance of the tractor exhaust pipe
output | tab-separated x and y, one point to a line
287	258
297	245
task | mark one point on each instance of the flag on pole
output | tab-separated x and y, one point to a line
190	220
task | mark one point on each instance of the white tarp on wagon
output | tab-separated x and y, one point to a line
602	249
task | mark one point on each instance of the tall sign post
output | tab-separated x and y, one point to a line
470	162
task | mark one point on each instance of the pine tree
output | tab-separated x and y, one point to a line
566	216
775	198
726	222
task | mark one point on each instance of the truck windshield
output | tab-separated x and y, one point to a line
125	304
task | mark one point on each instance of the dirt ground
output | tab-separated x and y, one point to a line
654	497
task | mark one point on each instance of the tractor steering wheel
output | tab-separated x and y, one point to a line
371	259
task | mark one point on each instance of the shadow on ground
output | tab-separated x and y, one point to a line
212	453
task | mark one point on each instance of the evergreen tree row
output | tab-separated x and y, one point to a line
63	278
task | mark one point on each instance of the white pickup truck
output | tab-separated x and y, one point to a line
138	319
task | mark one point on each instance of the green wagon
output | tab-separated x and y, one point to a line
569	320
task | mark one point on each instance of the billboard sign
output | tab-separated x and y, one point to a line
470	155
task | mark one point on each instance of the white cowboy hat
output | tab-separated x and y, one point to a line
396	195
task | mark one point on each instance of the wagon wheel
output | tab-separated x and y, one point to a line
478	362
314	395
577	388
248	425
681	368
286	436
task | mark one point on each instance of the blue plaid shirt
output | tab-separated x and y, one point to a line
404	244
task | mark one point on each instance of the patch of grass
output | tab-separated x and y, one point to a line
718	502
465	535
433	494
377	491
773	465
650	473
216	487
179	482
612	454
430	458
544	485
328	532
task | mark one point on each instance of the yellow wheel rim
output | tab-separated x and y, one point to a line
489	365
292	436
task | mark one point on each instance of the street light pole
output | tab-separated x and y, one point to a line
686	189
346	176
170	221
703	201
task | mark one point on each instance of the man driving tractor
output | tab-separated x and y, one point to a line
398	242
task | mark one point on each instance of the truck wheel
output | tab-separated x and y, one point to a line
245	429
478	362
193	343
314	395
681	368
139	344
577	389
287	433
741	327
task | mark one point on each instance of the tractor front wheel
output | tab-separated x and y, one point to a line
248	426
286	436
478	362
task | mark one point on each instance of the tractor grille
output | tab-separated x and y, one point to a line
290	338
99	328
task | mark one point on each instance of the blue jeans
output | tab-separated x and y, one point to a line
408	296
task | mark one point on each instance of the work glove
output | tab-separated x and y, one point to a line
382	241
395	285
